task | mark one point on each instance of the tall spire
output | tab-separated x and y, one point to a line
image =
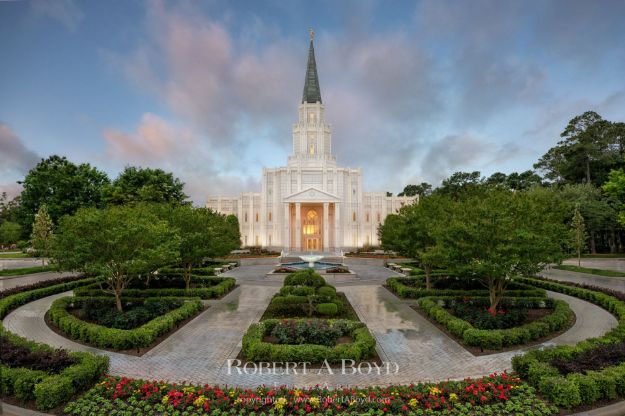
312	93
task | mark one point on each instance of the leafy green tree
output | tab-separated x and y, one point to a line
233	231
597	209
461	184
9	209
391	233
118	244
500	234
422	190
140	185
41	237
585	154
10	232
615	187
203	234
579	234
62	186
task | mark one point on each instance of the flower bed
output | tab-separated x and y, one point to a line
208	288
42	385
305	294
576	388
310	348
499	338
14	355
493	395
414	288
118	339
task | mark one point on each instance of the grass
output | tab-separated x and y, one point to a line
15	255
604	256
28	270
600	272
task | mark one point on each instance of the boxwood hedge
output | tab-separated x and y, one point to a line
48	391
254	349
575	388
499	338
404	287
118	339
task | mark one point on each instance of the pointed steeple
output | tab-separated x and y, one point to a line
312	92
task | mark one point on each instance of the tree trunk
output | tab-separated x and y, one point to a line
587	170
612	242
118	300
428	270
593	247
186	272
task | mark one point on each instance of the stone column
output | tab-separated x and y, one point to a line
298	226
326	228
338	242
287	227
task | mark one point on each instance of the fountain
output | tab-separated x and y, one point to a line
311	259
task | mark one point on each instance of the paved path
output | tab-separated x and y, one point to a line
6	264
199	351
9	282
615	264
614	283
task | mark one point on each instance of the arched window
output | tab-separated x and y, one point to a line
257	217
270	216
246	217
311	223
354	216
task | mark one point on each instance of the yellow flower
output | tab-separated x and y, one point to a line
280	403
238	401
199	401
187	390
435	391
453	397
231	393
165	399
413	403
314	401
297	393
352	402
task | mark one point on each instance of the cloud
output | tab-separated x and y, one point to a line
11	189
15	158
65	12
154	140
454	153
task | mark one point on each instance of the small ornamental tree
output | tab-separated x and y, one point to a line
579	234
501	234
202	233
41	237
118	244
10	232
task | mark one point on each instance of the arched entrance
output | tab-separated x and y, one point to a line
311	230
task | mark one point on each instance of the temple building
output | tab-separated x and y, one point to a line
311	204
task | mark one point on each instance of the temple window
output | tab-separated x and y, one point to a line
269	216
311	117
246	218
367	217
257	217
257	240
354	216
378	217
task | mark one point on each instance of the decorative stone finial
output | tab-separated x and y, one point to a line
312	33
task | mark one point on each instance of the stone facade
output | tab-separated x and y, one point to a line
311	204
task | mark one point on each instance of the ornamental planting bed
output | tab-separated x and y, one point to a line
489	331
496	394
38	376
308	321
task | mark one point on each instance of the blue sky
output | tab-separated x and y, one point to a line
209	90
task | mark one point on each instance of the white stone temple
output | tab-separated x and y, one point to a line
310	205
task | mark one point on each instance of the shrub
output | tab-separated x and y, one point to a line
305	277
119	339
216	287
327	309
13	355
414	288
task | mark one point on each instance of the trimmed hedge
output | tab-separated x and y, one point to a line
575	388
401	287
497	339
220	286
254	349
119	339
48	391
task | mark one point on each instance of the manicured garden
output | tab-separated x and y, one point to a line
308	321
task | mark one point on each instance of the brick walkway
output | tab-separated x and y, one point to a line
199	351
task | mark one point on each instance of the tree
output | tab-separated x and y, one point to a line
422	190
202	233
63	186
136	185
460	184
10	232
41	237
579	234
391	233
585	155
615	187
9	210
500	234
118	244
515	181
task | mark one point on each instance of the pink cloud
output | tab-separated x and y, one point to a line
153	140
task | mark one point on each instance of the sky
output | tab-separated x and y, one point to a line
414	90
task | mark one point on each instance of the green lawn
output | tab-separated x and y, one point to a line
600	272
28	270
15	255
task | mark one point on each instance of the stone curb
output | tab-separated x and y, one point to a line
616	409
